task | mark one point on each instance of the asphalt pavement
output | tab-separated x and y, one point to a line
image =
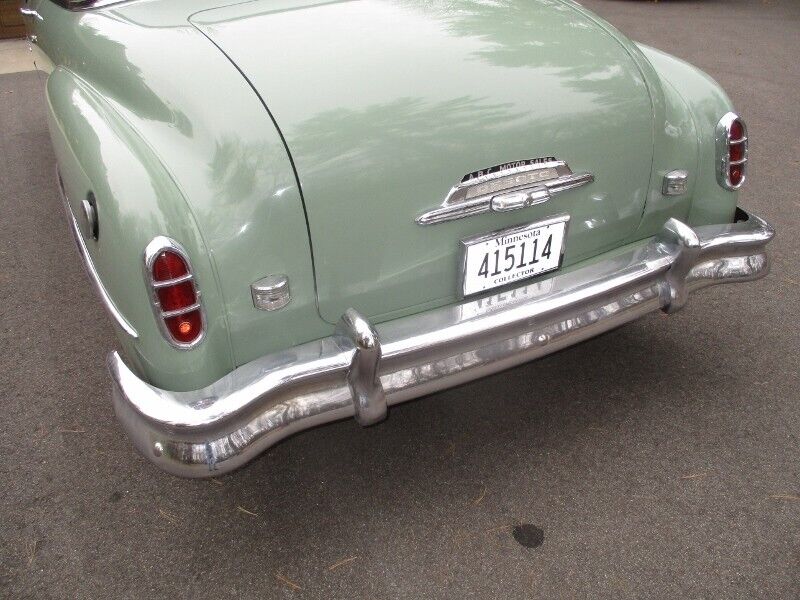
661	460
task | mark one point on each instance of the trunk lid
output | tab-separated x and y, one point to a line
386	105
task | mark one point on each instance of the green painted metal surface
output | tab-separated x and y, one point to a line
386	105
304	138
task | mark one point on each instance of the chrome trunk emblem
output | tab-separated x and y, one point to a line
505	187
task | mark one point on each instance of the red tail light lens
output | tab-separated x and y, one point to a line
176	299
737	152
737	131
169	265
731	152
736	175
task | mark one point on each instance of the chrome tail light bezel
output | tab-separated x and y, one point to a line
158	245
724	143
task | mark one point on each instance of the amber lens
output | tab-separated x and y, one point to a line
185	328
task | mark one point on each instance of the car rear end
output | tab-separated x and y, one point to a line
424	195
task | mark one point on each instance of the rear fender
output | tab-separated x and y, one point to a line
136	200
706	103
199	144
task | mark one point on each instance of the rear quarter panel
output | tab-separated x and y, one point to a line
97	152
696	96
155	120
687	104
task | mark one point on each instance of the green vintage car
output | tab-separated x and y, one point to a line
297	211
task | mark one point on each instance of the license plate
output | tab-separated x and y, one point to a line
502	257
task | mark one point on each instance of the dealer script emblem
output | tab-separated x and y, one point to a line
504	187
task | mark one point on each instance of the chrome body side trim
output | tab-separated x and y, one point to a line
507	189
156	246
84	5
94	277
361	369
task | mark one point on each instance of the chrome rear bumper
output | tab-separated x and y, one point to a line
361	369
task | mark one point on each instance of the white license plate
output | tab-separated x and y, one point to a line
502	257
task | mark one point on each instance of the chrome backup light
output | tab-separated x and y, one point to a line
731	151
675	183
174	293
271	292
